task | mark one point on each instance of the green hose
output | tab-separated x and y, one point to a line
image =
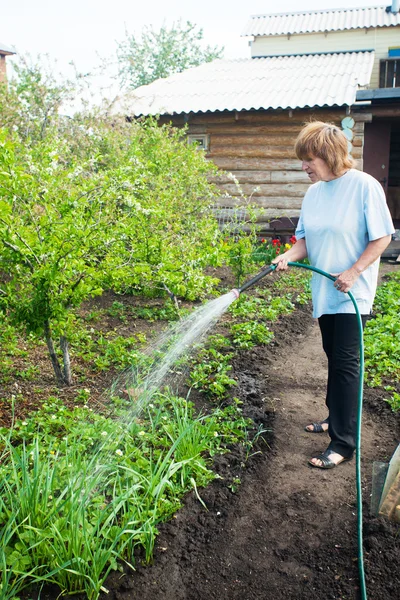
358	432
359	411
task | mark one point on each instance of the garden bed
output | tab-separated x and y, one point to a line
273	527
286	531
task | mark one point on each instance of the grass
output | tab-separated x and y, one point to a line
79	491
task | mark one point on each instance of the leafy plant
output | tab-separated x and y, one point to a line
382	340
88	204
209	373
79	491
264	307
248	334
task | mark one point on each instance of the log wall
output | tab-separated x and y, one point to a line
255	152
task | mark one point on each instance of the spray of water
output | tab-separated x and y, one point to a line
167	350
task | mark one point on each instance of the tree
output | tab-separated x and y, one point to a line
56	226
157	54
88	204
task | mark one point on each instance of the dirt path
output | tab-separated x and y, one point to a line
289	531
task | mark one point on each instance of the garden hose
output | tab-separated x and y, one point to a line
250	283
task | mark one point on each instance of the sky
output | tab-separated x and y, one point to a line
87	31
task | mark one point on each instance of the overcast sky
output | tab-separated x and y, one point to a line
85	30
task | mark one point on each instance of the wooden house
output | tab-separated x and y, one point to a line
4	52
339	65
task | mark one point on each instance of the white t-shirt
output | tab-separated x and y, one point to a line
338	219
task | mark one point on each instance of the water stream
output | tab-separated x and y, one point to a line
177	342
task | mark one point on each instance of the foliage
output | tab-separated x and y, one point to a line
80	491
209	373
264	307
240	256
157	54
293	280
382	340
87	203
394	400
245	252
248	334
267	250
31	100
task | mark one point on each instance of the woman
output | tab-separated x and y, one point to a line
343	229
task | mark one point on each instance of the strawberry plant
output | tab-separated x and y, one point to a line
210	373
248	334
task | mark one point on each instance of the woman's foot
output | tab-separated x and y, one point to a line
327	460
318	427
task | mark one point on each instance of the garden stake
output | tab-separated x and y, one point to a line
253	281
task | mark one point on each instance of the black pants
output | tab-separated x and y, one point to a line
341	345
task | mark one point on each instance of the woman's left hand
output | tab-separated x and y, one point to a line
345	281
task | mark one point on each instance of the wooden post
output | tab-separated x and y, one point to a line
391	502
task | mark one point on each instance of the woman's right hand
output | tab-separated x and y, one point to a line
281	262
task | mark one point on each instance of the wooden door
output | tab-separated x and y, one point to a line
377	151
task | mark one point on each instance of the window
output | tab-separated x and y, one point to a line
389	74
201	140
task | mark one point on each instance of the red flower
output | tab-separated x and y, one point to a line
263	241
276	242
293	239
278	249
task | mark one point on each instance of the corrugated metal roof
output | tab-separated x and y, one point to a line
245	84
337	19
6	49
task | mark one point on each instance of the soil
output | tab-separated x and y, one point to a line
287	531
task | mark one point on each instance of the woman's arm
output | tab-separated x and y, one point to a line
297	252
347	279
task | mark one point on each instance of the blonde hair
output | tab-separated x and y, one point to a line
326	141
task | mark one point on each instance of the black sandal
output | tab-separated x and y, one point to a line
317	427
327	463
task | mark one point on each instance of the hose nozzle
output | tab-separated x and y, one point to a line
236	292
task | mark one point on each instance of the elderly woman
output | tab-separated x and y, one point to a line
343	229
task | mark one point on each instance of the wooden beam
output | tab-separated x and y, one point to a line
271	115
385	112
252	163
245	176
268	215
362	117
290	177
256	152
262	202
275	128
357	152
253	138
289	190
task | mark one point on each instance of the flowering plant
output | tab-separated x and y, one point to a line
269	249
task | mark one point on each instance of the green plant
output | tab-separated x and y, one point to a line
248	334
88	204
394	402
79	491
209	373
382	340
118	310
267	250
264	307
167	312
234	484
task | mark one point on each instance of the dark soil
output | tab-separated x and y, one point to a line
274	528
